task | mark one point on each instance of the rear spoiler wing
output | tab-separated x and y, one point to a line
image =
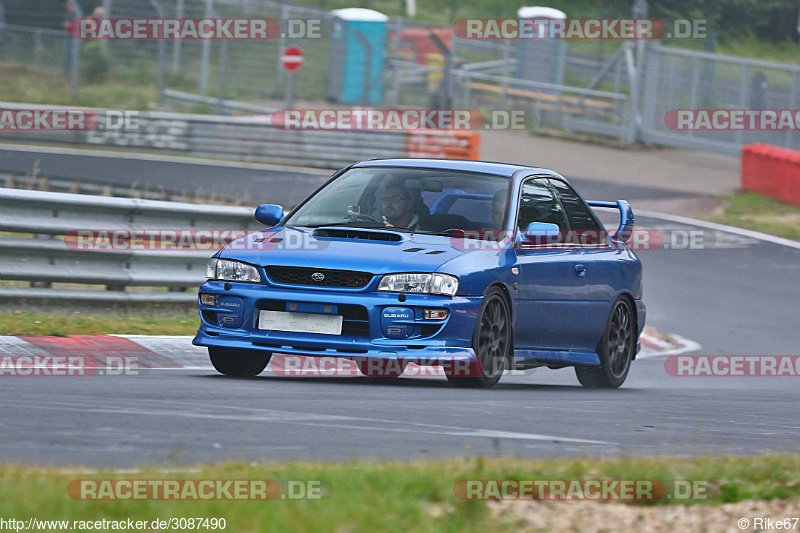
625	230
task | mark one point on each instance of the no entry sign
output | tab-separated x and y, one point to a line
292	58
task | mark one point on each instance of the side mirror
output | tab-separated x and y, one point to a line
540	233
269	214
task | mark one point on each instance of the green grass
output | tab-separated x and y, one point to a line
749	46
22	83
385	496
761	213
98	323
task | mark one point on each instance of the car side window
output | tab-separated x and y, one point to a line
582	222
579	216
539	204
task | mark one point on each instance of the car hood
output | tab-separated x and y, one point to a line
304	247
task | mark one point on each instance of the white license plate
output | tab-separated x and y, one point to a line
300	322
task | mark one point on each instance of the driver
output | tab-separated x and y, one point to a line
398	208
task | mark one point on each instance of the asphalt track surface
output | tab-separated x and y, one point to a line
737	297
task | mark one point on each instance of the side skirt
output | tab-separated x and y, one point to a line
532	358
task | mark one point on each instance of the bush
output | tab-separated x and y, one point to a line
95	62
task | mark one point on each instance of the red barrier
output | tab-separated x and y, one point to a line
443	144
771	171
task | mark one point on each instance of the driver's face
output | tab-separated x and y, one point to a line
396	204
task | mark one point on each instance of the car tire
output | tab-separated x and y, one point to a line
382	368
237	362
492	342
616	350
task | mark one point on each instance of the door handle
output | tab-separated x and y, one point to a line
580	270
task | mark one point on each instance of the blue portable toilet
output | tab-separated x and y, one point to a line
358	47
541	59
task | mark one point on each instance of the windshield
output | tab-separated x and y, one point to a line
405	199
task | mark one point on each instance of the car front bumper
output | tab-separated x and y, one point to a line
363	335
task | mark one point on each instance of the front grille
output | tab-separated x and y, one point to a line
355	319
311	276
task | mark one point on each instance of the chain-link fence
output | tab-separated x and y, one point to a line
609	88
678	79
48	50
235	69
40	47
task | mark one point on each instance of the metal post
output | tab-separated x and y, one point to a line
650	90
223	62
394	95
290	89
466	99
672	76
281	41
206	52
42	284
792	105
176	44
506	73
161	51
37	46
695	82
798	31
107	8
639	11
76	57
743	97
709	66
694	87
453	44
2	19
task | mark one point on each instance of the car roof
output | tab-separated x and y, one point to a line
486	167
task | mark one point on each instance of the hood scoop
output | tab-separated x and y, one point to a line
357	234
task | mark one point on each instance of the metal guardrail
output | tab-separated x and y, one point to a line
577	109
251	138
183	100
47	258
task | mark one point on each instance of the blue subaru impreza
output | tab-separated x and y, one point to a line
474	266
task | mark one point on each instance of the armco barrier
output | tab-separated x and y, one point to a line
51	260
771	171
250	138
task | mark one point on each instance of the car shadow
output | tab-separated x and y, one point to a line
410	382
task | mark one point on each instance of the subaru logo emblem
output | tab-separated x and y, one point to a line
317	276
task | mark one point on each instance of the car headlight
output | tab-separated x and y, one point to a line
227	270
444	284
